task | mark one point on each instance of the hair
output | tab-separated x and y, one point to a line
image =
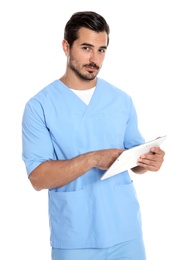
87	19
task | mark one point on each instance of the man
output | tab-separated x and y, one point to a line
72	131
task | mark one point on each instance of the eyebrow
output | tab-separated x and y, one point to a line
90	45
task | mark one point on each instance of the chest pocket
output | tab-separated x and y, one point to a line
115	129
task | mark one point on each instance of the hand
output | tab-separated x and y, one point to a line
153	160
104	158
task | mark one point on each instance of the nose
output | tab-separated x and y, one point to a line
94	57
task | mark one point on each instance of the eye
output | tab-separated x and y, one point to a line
86	48
102	50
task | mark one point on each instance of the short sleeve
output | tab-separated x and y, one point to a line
37	146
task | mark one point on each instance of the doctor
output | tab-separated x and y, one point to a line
72	130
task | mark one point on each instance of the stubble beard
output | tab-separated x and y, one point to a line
77	71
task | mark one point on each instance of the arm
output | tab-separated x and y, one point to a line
56	173
150	162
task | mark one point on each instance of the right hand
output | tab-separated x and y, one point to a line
104	158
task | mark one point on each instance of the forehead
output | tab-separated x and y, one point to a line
97	39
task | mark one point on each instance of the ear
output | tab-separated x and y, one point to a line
65	46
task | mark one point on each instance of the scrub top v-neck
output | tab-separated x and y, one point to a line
78	102
84	95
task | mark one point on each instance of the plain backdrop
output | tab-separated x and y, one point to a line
147	57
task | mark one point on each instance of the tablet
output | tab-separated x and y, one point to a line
128	159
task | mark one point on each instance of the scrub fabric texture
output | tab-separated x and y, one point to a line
130	250
58	125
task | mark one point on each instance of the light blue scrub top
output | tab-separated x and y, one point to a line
58	125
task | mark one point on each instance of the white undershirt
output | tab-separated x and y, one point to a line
84	95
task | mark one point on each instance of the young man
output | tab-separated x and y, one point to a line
72	130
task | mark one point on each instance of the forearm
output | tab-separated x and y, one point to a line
139	170
53	174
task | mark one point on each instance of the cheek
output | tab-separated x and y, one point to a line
101	59
79	58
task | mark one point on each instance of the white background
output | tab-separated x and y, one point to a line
147	57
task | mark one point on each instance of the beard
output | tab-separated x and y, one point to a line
77	69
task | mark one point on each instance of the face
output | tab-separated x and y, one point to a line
87	53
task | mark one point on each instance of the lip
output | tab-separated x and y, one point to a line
90	68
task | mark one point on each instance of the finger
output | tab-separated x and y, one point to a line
157	150
149	165
153	156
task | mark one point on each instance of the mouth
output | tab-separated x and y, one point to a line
91	67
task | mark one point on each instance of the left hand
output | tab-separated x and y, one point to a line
152	161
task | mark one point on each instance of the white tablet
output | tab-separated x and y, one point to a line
128	159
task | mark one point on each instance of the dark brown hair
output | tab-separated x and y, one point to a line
87	19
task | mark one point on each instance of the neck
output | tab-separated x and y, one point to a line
74	82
